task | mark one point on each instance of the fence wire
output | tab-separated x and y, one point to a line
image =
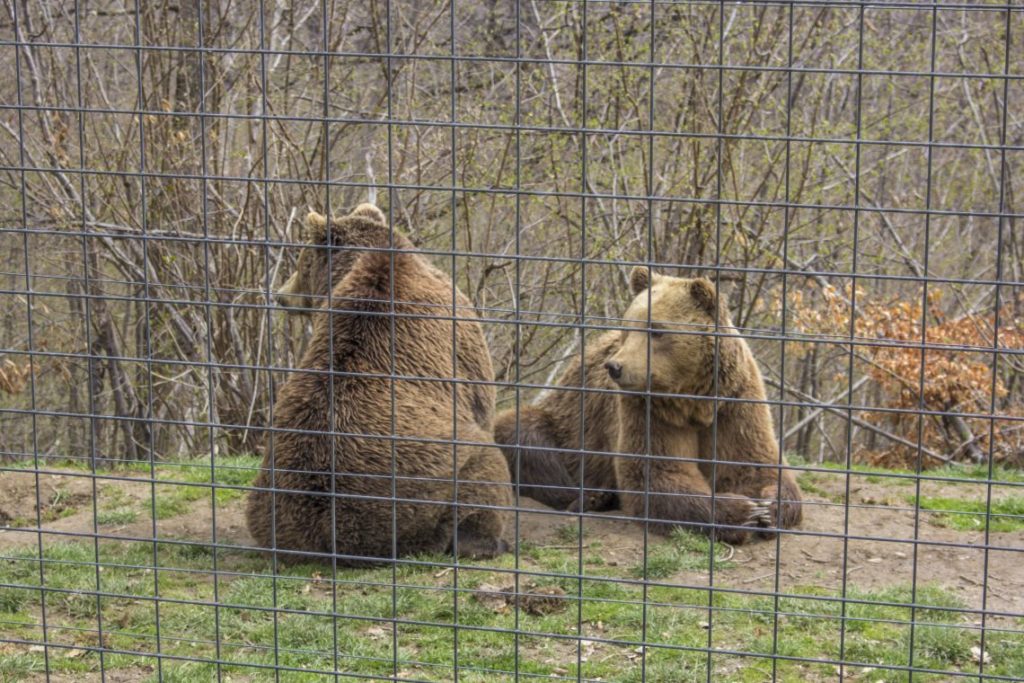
227	404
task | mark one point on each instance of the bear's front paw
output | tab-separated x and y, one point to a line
777	516
733	511
762	514
768	505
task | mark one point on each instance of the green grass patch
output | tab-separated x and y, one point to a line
194	481
13	600
320	623
684	551
49	462
907	477
1007	514
123	515
813	483
568	533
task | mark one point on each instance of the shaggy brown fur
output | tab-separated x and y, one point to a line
691	444
340	245
381	451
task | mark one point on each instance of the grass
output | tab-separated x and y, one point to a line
812	483
965	512
177	487
682	621
191	482
568	533
1007	514
896	476
116	516
684	551
354	620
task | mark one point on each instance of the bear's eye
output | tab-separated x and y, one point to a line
657	334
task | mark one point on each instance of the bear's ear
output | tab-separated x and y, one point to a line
641	278
372	212
316	220
315	227
704	293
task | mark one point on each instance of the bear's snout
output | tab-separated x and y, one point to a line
286	300
287	295
614	369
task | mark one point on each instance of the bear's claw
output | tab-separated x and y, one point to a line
760	513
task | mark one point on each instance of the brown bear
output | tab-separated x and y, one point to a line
319	268
634	377
374	449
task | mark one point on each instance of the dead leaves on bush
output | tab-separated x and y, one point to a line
14	377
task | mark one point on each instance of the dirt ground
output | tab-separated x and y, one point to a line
879	548
126	675
879	551
69	497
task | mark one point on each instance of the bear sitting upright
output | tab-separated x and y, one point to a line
361	462
668	347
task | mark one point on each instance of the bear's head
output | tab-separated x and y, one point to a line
332	247
669	336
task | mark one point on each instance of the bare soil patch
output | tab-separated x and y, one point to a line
72	494
123	675
881	549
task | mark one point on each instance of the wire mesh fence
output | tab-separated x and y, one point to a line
651	340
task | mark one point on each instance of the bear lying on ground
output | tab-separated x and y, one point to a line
690	442
377	373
